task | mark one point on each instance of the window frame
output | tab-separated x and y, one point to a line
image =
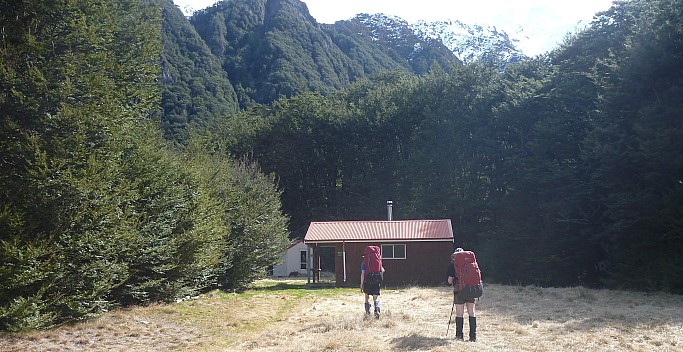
393	251
303	258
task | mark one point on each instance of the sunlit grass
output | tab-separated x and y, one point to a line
285	315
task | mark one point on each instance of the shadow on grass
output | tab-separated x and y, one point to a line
280	286
414	342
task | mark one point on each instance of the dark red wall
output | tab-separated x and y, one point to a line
425	264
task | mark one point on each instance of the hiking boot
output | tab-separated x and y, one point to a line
367	308
473	329
459	322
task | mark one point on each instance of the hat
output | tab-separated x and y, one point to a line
457	250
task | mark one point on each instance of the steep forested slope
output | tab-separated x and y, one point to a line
268	49
194	86
378	41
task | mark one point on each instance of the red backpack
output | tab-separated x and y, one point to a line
467	269
372	259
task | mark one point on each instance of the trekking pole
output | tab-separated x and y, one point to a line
449	318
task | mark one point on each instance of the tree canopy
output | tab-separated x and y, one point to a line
97	210
564	169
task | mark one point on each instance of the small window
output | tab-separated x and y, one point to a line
393	251
303	259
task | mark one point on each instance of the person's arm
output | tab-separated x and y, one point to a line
451	274
362	275
362	278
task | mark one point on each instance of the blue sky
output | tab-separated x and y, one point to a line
544	22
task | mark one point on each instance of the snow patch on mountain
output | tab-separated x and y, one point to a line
469	42
472	42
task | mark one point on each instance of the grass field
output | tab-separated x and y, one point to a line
282	315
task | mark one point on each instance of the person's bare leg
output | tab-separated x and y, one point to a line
470	310
367	304
375	299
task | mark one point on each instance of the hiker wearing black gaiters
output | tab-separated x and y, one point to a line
465	276
371	277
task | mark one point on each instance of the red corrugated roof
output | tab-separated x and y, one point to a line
404	230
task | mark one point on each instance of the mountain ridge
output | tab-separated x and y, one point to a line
468	41
238	53
471	42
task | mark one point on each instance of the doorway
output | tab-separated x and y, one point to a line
327	267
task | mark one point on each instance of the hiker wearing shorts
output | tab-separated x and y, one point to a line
370	287
460	304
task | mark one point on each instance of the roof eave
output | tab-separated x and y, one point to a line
355	240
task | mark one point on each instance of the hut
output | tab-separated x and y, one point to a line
293	261
414	252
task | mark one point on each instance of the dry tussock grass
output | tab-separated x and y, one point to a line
510	318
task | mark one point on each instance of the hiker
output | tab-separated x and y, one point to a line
371	277
465	276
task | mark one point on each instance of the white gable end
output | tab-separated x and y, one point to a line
291	261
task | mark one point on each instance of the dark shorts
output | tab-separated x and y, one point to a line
371	289
459	300
372	283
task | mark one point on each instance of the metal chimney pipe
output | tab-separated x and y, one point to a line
389	206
